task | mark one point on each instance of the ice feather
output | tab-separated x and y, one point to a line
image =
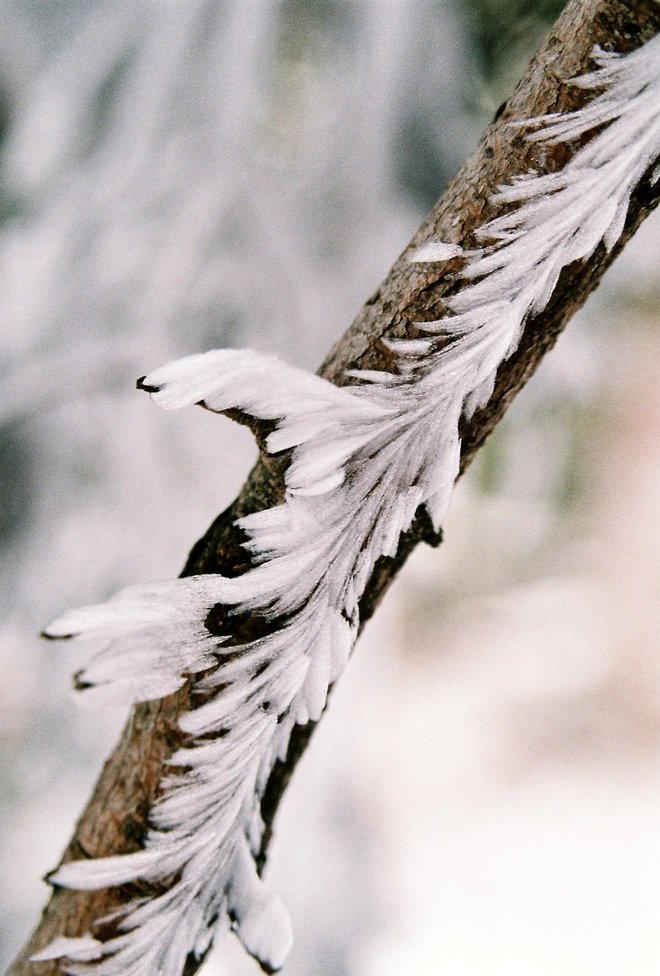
435	251
364	458
82	948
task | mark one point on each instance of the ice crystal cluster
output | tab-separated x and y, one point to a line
361	460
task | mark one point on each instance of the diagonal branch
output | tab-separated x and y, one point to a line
428	303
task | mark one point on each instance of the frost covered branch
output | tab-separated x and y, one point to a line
362	470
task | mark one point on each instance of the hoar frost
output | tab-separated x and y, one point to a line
363	459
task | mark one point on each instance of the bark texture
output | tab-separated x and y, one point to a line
115	819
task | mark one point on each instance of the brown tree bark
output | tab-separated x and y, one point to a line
115	819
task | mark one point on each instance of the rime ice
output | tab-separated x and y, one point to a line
363	459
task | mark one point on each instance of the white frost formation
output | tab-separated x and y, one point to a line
363	459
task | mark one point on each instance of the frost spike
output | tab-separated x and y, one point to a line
85	948
262	922
105	872
435	251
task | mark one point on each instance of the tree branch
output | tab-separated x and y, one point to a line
115	820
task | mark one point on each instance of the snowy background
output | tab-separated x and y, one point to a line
484	793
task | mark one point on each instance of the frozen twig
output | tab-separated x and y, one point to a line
357	473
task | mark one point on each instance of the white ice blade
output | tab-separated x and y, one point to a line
85	948
434	251
262	386
262	922
106	872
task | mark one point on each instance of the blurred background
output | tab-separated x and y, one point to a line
484	793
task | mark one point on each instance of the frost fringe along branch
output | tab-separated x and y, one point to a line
362	459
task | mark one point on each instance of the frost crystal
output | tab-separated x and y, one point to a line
363	459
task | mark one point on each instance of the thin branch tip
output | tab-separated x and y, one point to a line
141	385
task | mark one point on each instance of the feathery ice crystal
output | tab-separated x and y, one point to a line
363	459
